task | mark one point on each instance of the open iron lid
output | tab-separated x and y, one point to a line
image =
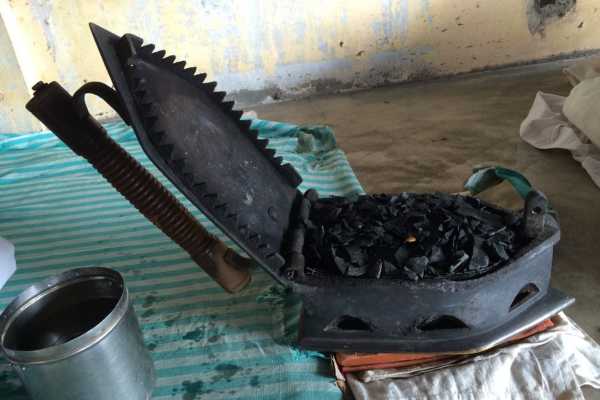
200	143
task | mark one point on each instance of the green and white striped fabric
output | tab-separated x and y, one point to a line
61	214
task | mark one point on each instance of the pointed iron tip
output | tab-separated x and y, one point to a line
102	37
101	34
95	28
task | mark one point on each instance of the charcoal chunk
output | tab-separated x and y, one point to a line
498	250
409	236
410	274
460	262
479	259
436	255
401	255
389	268
418	265
376	268
341	264
356	270
355	255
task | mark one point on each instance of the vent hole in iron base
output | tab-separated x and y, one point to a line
349	323
442	322
524	295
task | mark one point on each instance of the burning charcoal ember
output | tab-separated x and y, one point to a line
409	236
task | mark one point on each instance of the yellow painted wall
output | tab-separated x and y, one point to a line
263	49
13	91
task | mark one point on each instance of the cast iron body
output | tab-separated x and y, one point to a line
386	315
200	143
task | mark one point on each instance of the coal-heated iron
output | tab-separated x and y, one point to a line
220	164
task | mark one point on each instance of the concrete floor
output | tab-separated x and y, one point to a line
428	136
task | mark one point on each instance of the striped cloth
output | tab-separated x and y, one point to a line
61	214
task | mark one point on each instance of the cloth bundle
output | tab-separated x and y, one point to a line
571	123
552	364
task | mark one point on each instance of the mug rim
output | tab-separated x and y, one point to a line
38	291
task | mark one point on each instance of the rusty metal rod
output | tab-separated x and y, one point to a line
59	111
